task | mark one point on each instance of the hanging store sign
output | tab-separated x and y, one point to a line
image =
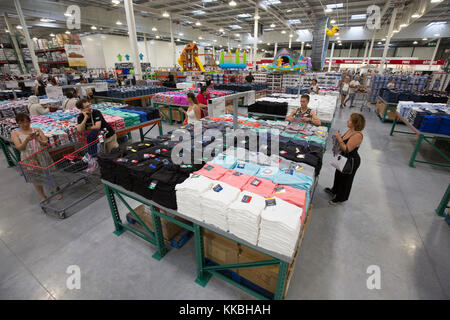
388	61
124	65
249	99
216	107
75	55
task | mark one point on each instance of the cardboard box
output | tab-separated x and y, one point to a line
265	277
220	249
163	112
169	229
176	115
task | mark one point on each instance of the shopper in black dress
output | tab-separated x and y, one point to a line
349	144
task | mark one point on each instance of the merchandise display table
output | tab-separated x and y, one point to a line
422	136
444	203
12	155
204	272
125	100
140	127
385	110
276	117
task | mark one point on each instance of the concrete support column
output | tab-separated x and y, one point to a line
27	37
434	53
16	45
128	4
331	57
255	38
275	50
301	50
172	43
388	39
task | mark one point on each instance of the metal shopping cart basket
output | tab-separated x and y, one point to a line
361	97
68	169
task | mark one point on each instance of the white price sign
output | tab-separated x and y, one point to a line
12	84
130	76
29	83
216	107
101	86
54	92
249	98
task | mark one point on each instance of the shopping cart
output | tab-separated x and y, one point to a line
361	98
68	169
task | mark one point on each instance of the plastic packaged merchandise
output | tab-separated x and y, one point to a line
132	91
426	117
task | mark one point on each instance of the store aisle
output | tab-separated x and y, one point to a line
389	221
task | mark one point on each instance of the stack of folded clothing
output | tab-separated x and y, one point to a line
215	202
280	227
267	107
244	216
131	119
235	179
260	186
190	189
117	123
294	196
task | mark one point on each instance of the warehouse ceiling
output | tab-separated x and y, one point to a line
218	18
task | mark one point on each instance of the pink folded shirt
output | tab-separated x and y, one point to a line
212	171
292	195
260	186
235	179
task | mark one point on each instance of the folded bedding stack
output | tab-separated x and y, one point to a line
280	227
190	189
215	202
244	216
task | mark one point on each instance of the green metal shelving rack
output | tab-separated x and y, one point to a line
440	210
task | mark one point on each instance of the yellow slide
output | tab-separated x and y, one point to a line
179	62
199	64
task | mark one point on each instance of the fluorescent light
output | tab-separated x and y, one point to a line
194	41
328	10
358	16
200	38
19	27
235	26
335	6
35	39
268	43
237	35
94	28
294	21
154	29
436	23
6	30
415	42
215	40
339	44
196	12
166	14
272	25
338	38
244	15
178	39
157	37
415	15
221	30
52	35
46	20
379	42
357	27
67	14
67	32
395	31
403	25
333	21
283	31
437	35
290	36
198	23
257	17
181	34
425	39
289	10
232	3
384	39
436	1
119	23
115	1
264	4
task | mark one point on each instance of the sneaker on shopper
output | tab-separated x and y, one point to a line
333	203
329	191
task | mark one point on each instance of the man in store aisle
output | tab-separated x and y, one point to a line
92	120
303	114
354	86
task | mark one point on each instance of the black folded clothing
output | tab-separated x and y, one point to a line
164	181
302	154
269	107
152	113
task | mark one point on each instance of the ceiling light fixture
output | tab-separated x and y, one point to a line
119	23
157	37
67	32
232	3
415	42
68	14
154	29
272	25
94	28
283	32
52	35
19	27
403	25
333	21
425	39
166	14
198	23
116	2
257	17
436	1
221	30
178	39
395	31
328	10
181	34
437	35
379	42
290	36
415	15
384	39
35	39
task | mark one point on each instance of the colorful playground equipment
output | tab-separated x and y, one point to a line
233	61
189	59
287	60
333	31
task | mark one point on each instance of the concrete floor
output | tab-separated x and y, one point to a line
389	221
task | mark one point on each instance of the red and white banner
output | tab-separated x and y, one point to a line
388	61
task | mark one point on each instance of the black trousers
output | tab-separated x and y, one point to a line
343	183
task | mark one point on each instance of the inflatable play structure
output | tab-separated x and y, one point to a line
289	61
231	61
189	59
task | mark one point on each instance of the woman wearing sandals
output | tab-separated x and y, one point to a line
29	141
349	144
